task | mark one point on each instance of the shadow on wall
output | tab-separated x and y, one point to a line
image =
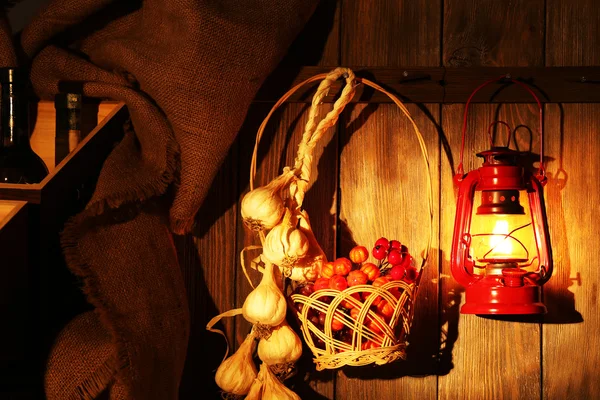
205	349
432	336
559	300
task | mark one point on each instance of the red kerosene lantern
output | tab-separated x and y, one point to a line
501	246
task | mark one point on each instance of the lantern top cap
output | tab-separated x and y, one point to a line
500	151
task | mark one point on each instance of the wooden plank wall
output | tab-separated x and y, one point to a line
371	183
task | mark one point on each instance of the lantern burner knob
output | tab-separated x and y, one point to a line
513	277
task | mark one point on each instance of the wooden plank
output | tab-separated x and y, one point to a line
551	84
572	196
572	31
448	85
8	209
208	262
381	169
390	33
317	44
278	149
382	193
79	164
43	133
493	33
483	358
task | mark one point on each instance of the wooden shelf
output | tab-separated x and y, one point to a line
87	157
42	136
447	85
8	209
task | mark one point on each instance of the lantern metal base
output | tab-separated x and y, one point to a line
490	296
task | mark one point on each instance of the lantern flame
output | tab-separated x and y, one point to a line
500	241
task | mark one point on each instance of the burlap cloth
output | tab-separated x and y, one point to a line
187	70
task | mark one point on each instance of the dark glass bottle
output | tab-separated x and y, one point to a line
68	124
18	162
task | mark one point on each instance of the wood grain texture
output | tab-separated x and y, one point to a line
448	85
382	193
390	33
490	358
572	32
208	261
571	346
479	358
318	43
381	176
9	209
493	33
278	149
572	197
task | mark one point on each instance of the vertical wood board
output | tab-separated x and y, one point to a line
572	33
570	341
390	33
493	33
381	181
208	261
572	197
382	193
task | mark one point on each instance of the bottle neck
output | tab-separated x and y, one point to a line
14	118
68	111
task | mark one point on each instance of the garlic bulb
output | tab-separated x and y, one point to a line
256	390
237	373
309	267
273	388
262	208
282	347
265	305
284	245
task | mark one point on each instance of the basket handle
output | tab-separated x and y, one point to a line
541	174
314	131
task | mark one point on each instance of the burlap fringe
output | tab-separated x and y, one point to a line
69	240
98	381
73	231
129	198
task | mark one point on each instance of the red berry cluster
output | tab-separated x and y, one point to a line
393	263
394	259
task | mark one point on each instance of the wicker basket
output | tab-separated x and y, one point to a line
392	334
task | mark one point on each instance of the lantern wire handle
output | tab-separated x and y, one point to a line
490	132
541	175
